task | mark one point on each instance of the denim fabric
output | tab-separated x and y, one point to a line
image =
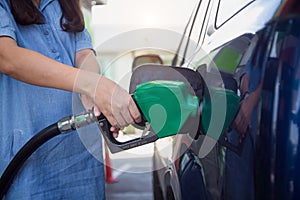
62	168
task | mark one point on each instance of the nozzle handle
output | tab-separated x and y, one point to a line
116	146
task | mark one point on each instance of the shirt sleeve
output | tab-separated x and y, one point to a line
83	40
6	23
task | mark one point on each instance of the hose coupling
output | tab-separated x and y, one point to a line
76	121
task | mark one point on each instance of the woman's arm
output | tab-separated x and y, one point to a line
33	68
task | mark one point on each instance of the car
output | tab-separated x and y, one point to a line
173	178
188	166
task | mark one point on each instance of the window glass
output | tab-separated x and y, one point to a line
228	8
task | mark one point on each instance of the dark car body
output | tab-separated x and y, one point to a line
193	167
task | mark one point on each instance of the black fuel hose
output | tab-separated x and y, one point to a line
17	162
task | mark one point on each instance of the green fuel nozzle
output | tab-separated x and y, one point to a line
165	106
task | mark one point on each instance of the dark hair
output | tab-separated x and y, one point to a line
26	13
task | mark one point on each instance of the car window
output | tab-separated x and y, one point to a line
228	9
228	56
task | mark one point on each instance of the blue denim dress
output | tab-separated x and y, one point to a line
62	168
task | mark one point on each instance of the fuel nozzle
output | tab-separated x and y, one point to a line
165	107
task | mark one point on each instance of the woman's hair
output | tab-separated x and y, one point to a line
26	13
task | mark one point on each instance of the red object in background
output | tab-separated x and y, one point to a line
108	170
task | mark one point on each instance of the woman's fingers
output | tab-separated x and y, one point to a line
134	111
116	104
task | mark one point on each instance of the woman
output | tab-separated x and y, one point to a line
43	43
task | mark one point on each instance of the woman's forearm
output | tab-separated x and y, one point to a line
34	68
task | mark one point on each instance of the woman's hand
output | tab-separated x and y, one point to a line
89	104
108	97
116	104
